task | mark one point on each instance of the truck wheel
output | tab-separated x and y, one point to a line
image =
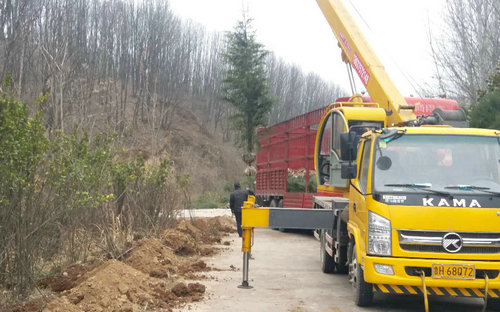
342	267
363	291
260	201
493	304
327	263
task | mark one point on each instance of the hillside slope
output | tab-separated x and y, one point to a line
194	150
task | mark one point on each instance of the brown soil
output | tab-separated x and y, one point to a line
113	286
193	148
153	276
31	306
153	258
69	278
185	239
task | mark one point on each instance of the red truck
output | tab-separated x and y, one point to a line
285	163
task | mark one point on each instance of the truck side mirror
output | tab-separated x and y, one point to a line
348	170
348	146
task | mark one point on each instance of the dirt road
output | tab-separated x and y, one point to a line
285	275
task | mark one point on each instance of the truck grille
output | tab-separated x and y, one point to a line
432	241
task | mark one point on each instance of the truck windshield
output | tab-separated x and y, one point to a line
448	163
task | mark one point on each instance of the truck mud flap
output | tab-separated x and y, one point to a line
435	291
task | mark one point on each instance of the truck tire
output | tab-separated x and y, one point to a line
327	262
493	304
259	200
363	291
341	267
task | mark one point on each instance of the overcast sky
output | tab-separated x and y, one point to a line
296	30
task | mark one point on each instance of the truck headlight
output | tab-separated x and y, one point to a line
379	235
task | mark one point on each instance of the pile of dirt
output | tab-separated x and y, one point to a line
181	244
152	276
113	286
215	228
153	258
187	238
69	278
193	290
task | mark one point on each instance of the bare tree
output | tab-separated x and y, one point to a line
297	93
469	49
126	62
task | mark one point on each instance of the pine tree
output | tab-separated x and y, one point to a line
486	113
245	84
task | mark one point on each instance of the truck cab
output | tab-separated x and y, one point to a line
338	119
424	207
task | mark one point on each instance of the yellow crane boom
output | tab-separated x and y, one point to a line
357	52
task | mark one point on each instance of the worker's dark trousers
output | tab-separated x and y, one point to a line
237	214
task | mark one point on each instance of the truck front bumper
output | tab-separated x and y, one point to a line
407	278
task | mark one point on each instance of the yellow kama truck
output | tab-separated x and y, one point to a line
420	207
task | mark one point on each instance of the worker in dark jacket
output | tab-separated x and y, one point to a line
236	200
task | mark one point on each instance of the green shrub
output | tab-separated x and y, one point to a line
22	149
58	195
209	200
312	184
228	187
79	172
298	184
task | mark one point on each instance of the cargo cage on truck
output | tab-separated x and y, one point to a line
285	162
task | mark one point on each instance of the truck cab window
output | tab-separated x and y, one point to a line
329	149
339	126
325	147
444	163
364	166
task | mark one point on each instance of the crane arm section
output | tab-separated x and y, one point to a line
362	58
